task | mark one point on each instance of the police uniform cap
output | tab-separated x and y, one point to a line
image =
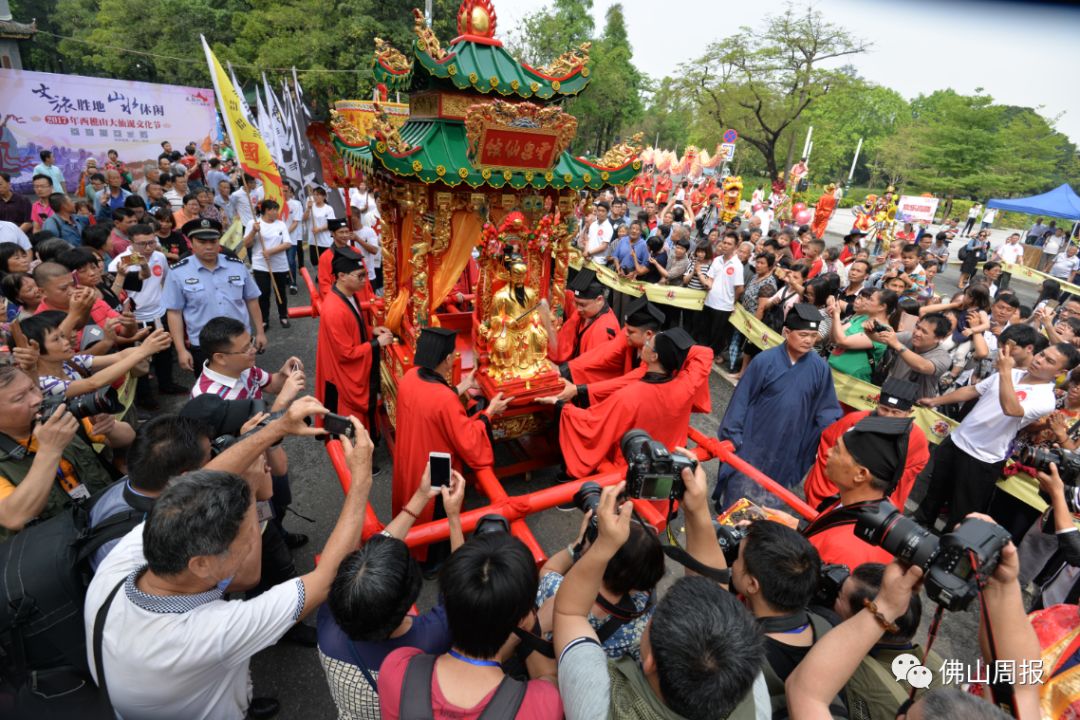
203	229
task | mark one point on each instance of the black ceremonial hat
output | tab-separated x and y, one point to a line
433	345
898	394
803	316
880	445
345	260
642	313
335	223
672	346
585	285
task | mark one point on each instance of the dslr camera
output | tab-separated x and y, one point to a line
955	565
1067	461
653	473
83	406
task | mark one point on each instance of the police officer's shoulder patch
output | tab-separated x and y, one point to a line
180	263
230	258
191	281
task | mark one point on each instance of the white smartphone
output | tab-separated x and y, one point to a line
439	462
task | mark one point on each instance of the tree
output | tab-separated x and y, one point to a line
613	98
761	82
852	109
549	32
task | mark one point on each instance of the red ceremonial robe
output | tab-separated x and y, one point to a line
839	545
467	283
431	418
326	276
347	360
580	334
600	391
818	487
659	405
607	360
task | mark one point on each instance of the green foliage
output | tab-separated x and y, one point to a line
762	81
613	99
549	32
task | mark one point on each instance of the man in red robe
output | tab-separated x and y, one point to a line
823	211
663	189
432	418
659	403
347	359
466	285
343	237
592	324
619	355
897	400
865	465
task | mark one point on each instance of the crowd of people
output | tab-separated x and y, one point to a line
119	291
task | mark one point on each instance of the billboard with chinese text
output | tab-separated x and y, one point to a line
914	209
82	117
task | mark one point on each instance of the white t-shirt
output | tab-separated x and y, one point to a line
599	233
273	235
12	233
1064	266
319	216
989	215
148	302
181	656
296	215
240	206
726	276
1052	246
361	199
371	260
987	432
973	212
1012	253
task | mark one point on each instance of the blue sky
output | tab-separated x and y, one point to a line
1020	53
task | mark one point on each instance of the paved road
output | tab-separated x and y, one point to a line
294	675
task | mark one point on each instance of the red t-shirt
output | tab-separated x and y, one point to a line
542	701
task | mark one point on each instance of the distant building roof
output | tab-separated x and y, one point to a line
17	30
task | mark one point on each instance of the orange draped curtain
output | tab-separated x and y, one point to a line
465	229
396	312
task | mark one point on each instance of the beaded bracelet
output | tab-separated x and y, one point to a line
886	625
407	511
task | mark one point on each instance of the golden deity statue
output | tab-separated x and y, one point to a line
516	339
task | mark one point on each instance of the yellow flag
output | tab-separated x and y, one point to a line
251	151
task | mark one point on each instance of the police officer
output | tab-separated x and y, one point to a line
206	285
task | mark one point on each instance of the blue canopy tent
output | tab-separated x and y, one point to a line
1061	202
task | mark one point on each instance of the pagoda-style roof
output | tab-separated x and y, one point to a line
477	61
436	151
16	30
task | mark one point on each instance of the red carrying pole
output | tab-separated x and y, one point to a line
726	452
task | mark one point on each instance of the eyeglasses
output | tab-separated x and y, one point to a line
249	349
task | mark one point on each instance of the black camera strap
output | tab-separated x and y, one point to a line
689	562
797	621
847	515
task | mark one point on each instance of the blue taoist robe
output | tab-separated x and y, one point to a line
775	419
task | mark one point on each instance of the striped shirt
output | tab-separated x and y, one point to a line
77	368
246	387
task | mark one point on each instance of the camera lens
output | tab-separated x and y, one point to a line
883	525
632	442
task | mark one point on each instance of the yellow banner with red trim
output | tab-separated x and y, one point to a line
862	395
251	150
671	295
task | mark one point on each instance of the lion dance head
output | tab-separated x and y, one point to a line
730	197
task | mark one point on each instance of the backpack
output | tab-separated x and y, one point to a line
777	693
416	693
44	574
